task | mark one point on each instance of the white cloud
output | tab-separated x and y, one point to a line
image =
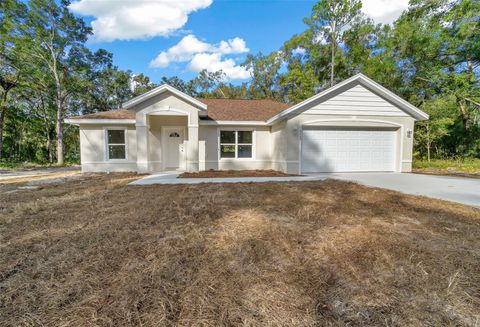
202	55
181	52
136	19
213	62
384	11
299	51
236	45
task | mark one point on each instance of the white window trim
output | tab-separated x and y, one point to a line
237	129
125	134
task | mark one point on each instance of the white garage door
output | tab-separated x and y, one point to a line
348	150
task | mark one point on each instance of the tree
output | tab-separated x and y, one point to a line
104	86
179	84
436	44
328	20
141	84
430	56
53	40
230	91
264	71
11	15
305	62
430	133
206	83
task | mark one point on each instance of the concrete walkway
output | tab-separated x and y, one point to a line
171	178
456	189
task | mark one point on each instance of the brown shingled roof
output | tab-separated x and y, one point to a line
245	110
218	109
112	114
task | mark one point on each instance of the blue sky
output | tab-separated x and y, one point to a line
181	37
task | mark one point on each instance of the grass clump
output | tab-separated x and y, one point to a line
8	165
463	166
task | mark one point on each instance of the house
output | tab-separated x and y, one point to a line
354	126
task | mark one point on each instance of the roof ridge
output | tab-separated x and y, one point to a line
198	98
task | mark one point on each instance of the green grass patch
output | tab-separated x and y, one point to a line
467	165
6	165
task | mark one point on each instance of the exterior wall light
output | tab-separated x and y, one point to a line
409	133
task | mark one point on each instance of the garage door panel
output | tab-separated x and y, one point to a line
337	150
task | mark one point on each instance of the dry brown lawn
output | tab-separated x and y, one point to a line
92	251
234	173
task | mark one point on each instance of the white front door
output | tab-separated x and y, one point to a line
174	148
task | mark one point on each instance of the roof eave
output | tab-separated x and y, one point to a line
234	122
98	121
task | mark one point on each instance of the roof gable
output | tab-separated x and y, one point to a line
161	89
350	83
357	100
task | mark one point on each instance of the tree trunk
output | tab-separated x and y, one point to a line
429	143
50	149
59	130
465	114
50	143
48	132
49	135
2	119
58	120
3	111
332	71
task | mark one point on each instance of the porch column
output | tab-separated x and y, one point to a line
142	143
192	148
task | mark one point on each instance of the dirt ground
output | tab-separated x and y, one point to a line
234	173
88	250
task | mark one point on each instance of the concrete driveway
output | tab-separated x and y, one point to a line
457	189
171	178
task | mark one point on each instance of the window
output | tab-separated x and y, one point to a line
236	144
116	144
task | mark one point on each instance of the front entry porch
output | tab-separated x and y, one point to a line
167	142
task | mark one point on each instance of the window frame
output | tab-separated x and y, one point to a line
236	144
125	144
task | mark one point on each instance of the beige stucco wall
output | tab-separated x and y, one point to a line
279	146
93	148
209	148
294	127
276	147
